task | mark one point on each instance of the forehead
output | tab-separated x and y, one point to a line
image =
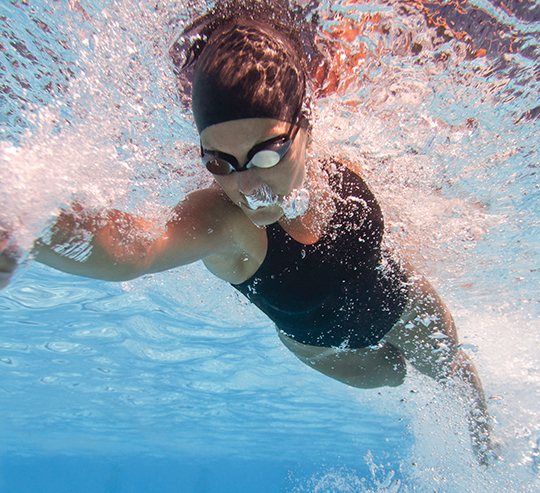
239	136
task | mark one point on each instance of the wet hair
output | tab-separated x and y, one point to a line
248	61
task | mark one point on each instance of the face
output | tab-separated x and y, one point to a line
237	138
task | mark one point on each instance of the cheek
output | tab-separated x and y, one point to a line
294	170
301	164
298	158
229	184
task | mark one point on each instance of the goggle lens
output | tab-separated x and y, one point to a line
218	166
265	159
270	154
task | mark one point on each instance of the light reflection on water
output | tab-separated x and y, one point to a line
447	137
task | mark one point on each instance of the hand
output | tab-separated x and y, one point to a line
8	264
486	449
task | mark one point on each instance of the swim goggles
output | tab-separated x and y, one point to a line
264	155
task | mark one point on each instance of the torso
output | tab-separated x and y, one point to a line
331	287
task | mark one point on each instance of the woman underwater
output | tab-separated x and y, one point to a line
302	239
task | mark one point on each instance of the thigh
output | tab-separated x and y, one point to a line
366	368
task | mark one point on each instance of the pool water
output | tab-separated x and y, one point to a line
173	382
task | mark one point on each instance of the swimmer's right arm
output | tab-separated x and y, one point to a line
8	264
116	246
123	247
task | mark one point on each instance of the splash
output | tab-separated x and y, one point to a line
347	480
110	135
261	197
296	203
293	205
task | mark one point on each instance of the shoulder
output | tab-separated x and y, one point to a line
345	179
356	205
210	213
206	208
230	243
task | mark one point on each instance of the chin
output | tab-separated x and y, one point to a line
263	216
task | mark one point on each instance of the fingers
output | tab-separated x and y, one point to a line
4	279
8	262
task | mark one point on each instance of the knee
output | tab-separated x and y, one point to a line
382	376
390	371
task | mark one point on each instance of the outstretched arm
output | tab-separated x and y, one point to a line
117	246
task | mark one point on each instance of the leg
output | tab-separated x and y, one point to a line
367	368
427	337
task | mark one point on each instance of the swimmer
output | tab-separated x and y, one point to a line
300	238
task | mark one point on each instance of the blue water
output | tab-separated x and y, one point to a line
173	382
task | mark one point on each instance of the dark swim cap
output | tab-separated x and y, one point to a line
247	70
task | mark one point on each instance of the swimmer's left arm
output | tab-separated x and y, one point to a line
430	343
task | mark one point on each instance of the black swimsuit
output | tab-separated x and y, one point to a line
343	291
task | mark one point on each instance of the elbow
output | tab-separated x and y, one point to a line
116	271
114	276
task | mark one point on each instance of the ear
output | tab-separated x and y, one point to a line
309	138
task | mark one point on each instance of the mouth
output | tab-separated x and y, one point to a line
292	205
245	205
260	198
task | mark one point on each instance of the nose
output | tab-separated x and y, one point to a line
249	181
